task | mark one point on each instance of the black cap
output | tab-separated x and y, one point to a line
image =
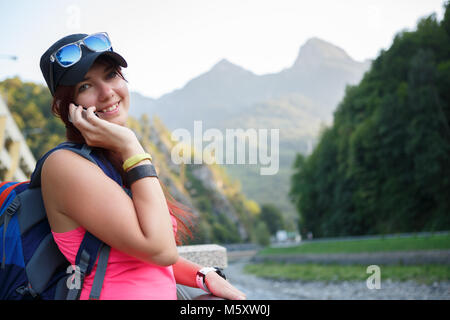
72	75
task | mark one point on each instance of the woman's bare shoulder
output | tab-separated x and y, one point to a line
66	176
56	185
62	160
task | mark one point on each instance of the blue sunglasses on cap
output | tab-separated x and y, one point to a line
71	53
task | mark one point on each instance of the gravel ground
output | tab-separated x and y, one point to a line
263	289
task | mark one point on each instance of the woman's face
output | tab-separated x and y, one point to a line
105	89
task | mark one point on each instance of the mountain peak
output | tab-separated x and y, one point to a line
224	62
316	50
226	66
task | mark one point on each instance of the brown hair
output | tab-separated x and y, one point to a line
64	95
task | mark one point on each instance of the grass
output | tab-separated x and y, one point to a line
426	274
441	241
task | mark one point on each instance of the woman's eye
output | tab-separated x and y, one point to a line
112	74
83	87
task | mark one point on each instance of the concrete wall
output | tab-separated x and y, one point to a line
208	255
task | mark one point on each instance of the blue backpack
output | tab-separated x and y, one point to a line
32	266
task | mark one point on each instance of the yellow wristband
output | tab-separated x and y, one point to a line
133	160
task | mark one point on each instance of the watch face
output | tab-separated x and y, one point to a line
219	271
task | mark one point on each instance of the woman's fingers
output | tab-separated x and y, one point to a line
72	109
78	114
79	118
75	114
91	116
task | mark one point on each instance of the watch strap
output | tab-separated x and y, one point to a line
139	172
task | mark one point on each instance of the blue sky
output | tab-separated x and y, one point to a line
168	42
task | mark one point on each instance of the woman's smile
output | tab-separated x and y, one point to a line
109	111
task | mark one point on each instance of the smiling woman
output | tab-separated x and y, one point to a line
106	69
123	206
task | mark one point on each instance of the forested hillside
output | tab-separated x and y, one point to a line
384	164
29	105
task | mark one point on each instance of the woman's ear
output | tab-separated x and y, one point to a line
58	104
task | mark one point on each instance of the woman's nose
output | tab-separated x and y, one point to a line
105	91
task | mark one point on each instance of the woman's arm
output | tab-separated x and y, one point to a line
185	272
78	189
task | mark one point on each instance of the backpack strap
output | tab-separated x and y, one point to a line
8	213
85	260
91	247
100	272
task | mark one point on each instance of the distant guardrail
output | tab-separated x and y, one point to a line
379	236
241	246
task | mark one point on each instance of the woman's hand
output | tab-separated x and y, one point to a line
104	134
222	288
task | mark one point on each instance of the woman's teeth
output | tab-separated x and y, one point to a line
112	108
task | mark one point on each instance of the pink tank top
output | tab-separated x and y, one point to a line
126	277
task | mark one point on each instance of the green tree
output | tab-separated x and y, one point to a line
383	166
262	234
30	106
272	217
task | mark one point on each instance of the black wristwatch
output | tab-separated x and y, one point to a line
201	275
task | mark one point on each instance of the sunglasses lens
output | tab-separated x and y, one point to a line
68	55
98	42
